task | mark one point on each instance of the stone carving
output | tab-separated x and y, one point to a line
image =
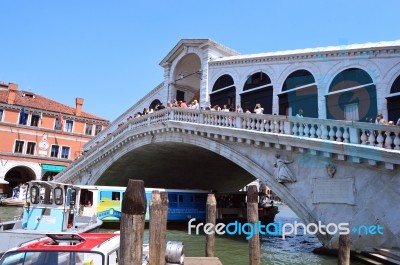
330	169
282	172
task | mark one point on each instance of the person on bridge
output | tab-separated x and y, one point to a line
300	114
258	109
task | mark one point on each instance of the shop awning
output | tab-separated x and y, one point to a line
52	168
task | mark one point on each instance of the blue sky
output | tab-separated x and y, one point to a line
108	52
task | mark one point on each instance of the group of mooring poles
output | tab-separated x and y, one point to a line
133	223
252	218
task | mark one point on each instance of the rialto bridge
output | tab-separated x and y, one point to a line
343	173
333	165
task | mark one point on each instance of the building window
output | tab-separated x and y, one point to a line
1	114
351	112
88	130
35	120
30	150
19	147
54	151
68	126
23	118
98	129
57	124
65	152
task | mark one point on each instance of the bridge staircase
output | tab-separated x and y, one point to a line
380	256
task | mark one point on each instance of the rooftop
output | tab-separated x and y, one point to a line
31	100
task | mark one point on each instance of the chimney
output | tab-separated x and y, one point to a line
12	91
79	103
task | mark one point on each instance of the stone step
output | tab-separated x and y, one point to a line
391	253
381	258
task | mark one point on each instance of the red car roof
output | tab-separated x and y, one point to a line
91	240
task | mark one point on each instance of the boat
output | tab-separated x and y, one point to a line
106	202
17	199
12	202
50	207
231	207
81	249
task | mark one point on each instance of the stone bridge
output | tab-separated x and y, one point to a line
341	171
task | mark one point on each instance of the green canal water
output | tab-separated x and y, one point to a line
233	250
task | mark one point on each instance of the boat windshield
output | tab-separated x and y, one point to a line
52	257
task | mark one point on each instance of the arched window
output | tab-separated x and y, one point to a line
257	90
299	91
154	103
352	96
223	91
393	101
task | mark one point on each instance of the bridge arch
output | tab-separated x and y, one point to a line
222	154
186	76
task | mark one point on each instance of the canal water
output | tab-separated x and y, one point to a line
231	250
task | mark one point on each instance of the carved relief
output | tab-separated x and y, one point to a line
330	169
282	173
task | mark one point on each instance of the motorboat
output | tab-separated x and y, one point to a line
50	207
81	249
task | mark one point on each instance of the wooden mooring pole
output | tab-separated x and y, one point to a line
344	250
252	218
211	218
132	223
163	233
158	227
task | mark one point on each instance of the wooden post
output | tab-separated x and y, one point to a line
163	233
156	216
252	218
344	250
132	223
211	218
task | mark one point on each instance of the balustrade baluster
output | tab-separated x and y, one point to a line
294	129
306	130
257	124
319	131
325	132
346	135
380	139
388	141
396	142
363	137
339	134
312	131
301	129
276	127
331	133
281	127
371	139
252	124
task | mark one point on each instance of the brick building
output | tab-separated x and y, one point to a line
39	136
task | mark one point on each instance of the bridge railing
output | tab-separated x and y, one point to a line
380	136
387	137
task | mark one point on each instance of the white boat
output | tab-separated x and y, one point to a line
50	207
12	202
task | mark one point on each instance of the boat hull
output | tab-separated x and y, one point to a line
12	235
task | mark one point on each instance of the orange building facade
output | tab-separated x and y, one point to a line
39	137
